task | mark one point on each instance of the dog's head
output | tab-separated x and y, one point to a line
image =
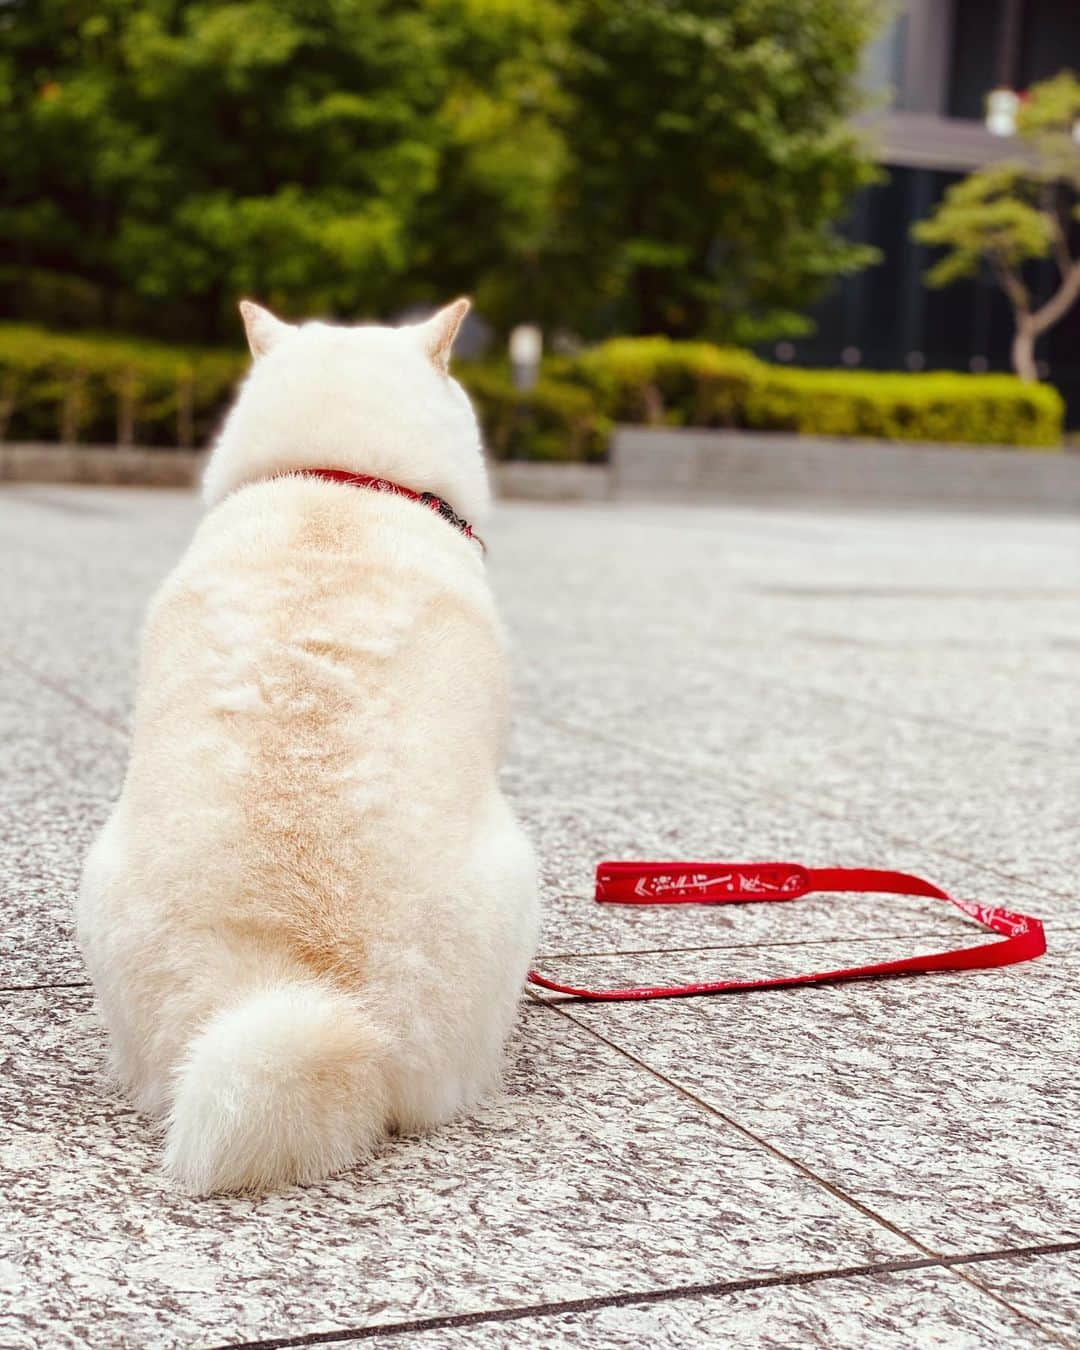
368	399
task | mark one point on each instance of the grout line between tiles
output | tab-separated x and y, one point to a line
751	1135
748	946
815	1177
45	984
651	1296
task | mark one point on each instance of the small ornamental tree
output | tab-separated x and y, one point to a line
1011	213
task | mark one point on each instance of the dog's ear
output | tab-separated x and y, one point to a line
437	335
264	331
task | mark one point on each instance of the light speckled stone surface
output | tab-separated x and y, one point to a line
867	1312
61	769
845	687
924	783
586	798
585	1179
1045	1288
950	1104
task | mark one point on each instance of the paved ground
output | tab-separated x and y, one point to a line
887	1164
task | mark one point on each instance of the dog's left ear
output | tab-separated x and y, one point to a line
264	330
437	335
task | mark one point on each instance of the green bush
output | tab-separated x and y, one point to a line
696	384
107	390
658	381
110	390
554	420
942	406
119	390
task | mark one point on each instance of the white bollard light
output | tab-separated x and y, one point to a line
526	349
1002	108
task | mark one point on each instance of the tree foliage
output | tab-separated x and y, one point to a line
712	156
669	164
1014	213
341	155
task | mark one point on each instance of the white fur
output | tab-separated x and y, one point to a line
375	400
310	914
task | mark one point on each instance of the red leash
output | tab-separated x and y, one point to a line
675	883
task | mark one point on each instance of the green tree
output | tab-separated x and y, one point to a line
710	155
484	227
336	155
670	165
1013	213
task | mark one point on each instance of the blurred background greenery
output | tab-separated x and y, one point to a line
600	164
682	169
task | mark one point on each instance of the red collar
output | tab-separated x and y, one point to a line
429	499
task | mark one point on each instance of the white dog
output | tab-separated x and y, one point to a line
310	914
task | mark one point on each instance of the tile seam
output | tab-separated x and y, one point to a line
677	1293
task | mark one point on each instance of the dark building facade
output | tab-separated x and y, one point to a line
933	69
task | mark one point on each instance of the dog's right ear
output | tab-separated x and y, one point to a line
264	330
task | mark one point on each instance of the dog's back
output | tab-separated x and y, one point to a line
310	915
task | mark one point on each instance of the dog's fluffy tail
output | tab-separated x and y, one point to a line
284	1086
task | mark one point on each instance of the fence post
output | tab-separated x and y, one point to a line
8	392
72	408
125	408
185	410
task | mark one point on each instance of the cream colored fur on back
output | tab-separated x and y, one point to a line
310	914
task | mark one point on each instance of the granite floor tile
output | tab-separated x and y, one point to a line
587	1178
78	567
886	663
951	630
703	965
948	1104
973	684
1014	808
625	580
897	1311
837	687
60	771
807	554
584	799
1046	1287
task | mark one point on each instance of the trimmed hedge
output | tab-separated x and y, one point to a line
122	390
696	384
941	406
655	380
110	390
556	420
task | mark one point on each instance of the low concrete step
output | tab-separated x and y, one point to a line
689	463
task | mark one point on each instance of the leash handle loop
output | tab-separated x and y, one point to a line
714	883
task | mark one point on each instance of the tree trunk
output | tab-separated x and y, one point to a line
1023	351
650	316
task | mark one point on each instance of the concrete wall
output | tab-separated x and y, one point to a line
551	482
109	465
104	464
691	464
684	464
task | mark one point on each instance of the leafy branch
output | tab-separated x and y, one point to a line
1015	213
